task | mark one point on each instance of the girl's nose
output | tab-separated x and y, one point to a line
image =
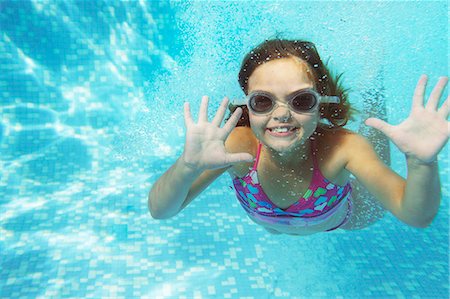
281	113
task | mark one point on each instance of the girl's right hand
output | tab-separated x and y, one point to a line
205	141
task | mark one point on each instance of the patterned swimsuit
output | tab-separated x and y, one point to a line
319	202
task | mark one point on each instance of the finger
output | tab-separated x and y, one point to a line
436	94
379	125
239	157
203	114
445	108
419	92
232	121
187	115
220	112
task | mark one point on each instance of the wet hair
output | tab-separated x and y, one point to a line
332	115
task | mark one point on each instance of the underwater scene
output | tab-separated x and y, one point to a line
91	106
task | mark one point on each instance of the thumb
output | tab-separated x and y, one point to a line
242	157
379	125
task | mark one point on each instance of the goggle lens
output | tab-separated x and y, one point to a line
302	102
261	103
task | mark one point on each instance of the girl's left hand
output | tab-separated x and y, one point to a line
426	131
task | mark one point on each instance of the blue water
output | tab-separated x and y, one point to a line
91	97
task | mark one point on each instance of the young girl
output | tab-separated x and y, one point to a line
292	163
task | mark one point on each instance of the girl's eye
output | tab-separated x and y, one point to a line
262	103
304	102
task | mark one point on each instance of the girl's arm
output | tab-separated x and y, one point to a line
204	158
181	184
420	137
414	201
422	195
170	191
177	188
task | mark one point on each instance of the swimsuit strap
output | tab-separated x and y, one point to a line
314	154
258	154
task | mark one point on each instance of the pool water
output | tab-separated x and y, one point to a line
91	96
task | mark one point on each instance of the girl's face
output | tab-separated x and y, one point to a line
282	77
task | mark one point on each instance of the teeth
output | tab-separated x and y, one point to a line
280	130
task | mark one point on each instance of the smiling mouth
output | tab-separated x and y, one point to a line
278	132
281	130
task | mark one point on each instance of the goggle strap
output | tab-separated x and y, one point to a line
324	99
239	102
330	99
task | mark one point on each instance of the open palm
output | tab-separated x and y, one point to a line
205	141
426	131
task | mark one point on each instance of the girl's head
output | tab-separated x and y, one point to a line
276	91
311	67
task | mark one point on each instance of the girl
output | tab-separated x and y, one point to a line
306	171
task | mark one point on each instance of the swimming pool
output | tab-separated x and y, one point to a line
91	115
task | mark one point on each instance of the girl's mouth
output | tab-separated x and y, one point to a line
282	131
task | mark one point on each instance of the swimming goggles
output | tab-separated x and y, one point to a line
301	101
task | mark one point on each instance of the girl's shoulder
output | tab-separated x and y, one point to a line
241	140
339	137
342	142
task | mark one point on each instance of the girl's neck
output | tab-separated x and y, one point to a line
288	160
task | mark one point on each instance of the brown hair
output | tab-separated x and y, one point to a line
336	115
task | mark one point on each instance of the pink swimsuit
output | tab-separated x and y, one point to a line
318	203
